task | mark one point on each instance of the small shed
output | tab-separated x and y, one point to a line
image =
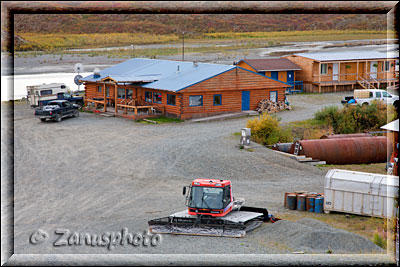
393	136
280	69
360	193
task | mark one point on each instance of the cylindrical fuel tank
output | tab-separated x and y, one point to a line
283	147
330	136
347	150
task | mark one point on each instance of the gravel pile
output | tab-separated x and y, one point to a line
312	236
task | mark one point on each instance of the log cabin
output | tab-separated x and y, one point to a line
280	69
178	89
345	70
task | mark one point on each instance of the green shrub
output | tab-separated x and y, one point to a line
266	130
379	241
356	118
329	115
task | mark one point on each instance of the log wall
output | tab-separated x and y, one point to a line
229	85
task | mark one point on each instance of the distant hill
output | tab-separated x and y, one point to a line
193	23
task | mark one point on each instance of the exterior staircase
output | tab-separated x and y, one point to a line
365	83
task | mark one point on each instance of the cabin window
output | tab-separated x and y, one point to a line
148	96
387	65
129	93
378	94
107	91
98	89
66	104
121	92
46	92
324	68
157	98
171	99
217	100
195	100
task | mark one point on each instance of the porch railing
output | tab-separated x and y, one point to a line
372	77
297	87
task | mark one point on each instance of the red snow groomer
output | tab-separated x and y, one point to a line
213	211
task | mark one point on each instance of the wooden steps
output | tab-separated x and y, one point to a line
362	85
107	114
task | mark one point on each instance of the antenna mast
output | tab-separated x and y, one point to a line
183	46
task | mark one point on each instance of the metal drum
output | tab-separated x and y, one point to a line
310	203
301	202
319	204
285	203
291	201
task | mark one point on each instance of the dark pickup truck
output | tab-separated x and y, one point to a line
62	96
56	110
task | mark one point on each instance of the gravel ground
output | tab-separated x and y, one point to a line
312	236
94	174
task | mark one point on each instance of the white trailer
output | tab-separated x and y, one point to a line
38	94
360	193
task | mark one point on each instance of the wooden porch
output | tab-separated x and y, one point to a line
131	108
366	74
366	80
126	111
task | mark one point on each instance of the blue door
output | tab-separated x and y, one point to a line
245	100
290	76
274	75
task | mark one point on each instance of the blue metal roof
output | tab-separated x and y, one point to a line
346	55
160	74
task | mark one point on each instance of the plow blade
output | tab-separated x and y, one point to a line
235	224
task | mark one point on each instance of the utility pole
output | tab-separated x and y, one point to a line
183	46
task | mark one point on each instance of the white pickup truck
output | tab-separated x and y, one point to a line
366	96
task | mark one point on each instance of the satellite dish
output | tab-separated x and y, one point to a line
78	68
77	78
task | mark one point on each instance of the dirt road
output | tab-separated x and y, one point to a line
94	174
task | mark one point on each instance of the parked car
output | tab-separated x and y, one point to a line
57	110
366	96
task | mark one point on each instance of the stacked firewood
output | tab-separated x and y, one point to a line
269	106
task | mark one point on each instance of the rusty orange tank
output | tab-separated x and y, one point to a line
363	150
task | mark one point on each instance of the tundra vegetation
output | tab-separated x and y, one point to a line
53	42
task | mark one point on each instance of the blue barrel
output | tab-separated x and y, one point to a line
310	204
319	205
291	201
301	202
